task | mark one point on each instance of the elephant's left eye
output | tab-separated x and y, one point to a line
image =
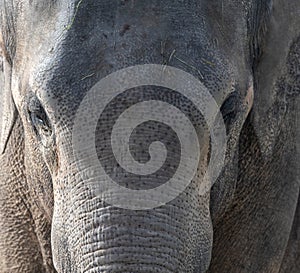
40	122
229	108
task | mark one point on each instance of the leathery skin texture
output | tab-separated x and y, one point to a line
53	218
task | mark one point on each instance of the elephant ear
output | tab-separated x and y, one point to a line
276	70
8	112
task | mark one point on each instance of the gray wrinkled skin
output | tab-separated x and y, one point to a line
55	51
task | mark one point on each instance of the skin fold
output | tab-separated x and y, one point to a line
246	53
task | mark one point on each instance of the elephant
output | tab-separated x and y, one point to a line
245	53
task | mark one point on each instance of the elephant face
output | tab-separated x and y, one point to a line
51	62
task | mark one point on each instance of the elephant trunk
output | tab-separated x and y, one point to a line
100	238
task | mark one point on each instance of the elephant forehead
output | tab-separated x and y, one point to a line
87	41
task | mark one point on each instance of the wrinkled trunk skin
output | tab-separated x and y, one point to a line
101	238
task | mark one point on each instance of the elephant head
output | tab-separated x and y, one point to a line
55	52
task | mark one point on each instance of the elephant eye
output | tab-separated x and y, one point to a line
229	108
39	121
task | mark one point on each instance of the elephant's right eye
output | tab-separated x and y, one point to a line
40	122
